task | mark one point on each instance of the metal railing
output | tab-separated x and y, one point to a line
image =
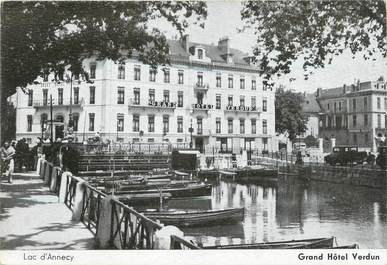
130	229
71	187
91	207
181	243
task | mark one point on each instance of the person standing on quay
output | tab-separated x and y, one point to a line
7	157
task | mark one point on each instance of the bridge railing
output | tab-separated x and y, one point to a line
71	187
91	207
130	229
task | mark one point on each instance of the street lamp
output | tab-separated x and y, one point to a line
190	129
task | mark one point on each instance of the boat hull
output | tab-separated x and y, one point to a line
180	192
199	218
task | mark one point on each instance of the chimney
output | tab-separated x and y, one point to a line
224	45
319	92
185	42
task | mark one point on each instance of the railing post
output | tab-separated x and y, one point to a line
63	189
80	191
105	223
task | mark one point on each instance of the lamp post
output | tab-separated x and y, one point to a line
190	129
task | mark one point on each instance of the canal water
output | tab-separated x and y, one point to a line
286	211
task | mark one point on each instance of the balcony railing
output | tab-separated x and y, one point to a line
202	107
153	104
247	109
201	86
56	103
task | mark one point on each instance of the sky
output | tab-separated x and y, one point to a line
224	19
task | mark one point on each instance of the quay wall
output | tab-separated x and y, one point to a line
366	177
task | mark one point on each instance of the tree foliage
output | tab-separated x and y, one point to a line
42	37
8	125
289	119
314	31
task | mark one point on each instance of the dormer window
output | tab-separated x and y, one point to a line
200	54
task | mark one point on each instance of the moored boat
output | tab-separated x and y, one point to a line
290	244
197	217
144	199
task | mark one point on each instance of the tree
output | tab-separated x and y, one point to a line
8	126
288	113
314	31
46	37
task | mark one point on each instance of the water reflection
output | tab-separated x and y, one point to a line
284	211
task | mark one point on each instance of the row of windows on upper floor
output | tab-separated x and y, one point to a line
341	121
151	124
151	98
180	77
338	106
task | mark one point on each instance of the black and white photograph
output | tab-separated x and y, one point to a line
215	126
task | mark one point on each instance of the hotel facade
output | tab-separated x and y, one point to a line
354	114
214	89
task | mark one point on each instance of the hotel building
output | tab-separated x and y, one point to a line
213	88
355	115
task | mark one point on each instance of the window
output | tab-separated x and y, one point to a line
339	105
264	105
76	95
199	98
328	106
230	82
152	75
151	123
365	102
242	83
241	126
136	140
264	87
354	120
120	122
136	123
230	101
180	98
354	104
45	78
151	140
45	97
200	54
365	119
121	71
264	126
93	67
379	121
378	103
179	124
253	101
230	125
92	95
200	79
136	93
91	122
151	95
165	124
43	119
180	76
75	121
218	125
218	102
335	106
29	123
121	95
253	126
253	84
355	138
30	97
385	103
242	101
218	80
137	73
60	96
199	121
166	95
366	138
166	76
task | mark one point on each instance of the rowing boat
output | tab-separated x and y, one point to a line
290	244
144	199
197	218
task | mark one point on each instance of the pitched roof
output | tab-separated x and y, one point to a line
310	104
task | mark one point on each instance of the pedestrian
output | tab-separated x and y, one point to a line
7	156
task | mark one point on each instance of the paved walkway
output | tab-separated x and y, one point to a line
32	218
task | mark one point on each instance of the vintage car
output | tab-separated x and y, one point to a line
381	160
344	155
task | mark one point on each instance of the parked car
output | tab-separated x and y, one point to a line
381	160
344	155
